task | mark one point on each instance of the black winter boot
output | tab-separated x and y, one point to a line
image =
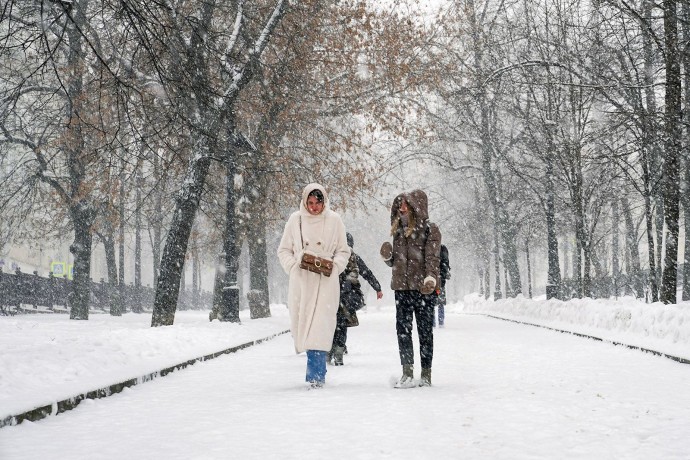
338	356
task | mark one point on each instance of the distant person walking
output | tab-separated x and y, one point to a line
313	298
415	258
351	300
444	275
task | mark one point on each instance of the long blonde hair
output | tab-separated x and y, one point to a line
411	224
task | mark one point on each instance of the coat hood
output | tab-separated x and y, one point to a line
305	194
417	202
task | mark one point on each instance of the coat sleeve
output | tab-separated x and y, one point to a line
368	274
341	254
286	251
432	253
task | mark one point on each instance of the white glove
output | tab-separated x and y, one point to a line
429	285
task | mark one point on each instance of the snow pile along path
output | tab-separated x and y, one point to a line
50	358
659	327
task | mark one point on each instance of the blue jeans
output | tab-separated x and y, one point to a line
316	366
441	304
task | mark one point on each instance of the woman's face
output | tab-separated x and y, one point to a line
403	207
314	206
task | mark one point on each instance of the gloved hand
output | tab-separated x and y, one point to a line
386	251
429	285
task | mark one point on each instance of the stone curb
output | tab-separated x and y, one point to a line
64	405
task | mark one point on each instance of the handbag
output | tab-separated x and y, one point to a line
351	317
316	264
313	263
352	320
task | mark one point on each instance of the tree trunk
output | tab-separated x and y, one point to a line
258	272
195	277
498	294
136	300
81	212
685	199
182	300
480	272
615	263
553	283
506	280
81	252
577	268
632	251
230	307
217	287
111	264
487	283
529	269
658	212
653	285
157	221
587	278
685	187
582	280
121	242
256	242
672	131
175	250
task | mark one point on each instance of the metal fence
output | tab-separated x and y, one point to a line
27	293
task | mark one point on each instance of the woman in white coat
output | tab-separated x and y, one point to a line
313	298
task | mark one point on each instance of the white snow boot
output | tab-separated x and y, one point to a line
407	379
426	378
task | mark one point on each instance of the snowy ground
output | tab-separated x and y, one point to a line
501	390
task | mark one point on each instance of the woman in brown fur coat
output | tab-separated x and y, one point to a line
415	259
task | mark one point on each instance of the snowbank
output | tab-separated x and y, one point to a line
663	328
46	358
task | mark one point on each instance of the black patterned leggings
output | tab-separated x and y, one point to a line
340	335
408	303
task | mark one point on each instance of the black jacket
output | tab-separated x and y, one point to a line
444	273
351	295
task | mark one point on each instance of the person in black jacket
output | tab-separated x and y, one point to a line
351	300
444	275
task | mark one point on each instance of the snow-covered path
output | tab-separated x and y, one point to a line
500	391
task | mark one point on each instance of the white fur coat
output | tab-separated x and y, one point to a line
313	298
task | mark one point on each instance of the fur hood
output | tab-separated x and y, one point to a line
305	194
418	205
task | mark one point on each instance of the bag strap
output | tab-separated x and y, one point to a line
300	232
